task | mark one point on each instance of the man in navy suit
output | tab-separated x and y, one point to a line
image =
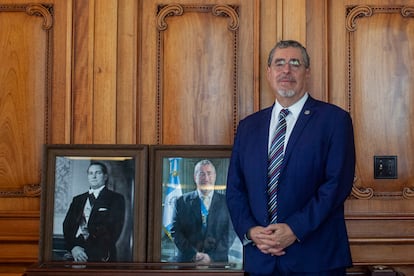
202	228
94	220
316	177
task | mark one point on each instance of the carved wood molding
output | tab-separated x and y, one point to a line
165	11
353	13
224	10
32	190
170	10
361	192
407	12
408	193
45	11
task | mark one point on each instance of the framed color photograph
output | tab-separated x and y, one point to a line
93	204
188	217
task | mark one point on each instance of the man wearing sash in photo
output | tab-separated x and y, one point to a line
201	227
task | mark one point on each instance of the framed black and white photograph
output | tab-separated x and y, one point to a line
94	203
188	217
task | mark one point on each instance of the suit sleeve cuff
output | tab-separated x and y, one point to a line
246	240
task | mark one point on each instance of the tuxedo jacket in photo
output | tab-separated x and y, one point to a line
105	225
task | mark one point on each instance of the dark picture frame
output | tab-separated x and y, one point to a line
64	176
163	171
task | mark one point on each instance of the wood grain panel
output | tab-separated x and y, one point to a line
370	52
270	33
105	72
127	64
293	25
387	254
33	111
82	88
60	106
18	252
380	228
198	80
25	92
317	46
19	236
27	224
380	89
200	77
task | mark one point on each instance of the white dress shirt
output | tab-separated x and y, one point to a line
291	118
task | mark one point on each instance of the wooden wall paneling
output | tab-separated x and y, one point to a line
256	55
105	72
198	88
337	55
83	71
19	236
28	80
95	71
317	46
270	34
370	54
127	64
146	132
25	83
294	20
379	90
247	60
60	105
200	77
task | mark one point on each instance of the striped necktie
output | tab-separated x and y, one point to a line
275	163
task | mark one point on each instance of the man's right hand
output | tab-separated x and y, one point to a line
202	258
79	254
265	240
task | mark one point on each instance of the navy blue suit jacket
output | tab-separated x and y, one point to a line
316	178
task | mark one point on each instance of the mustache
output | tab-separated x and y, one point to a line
286	78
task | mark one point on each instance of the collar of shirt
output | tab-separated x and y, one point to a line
96	192
208	196
294	111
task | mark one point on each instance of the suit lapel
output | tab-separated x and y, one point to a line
260	157
263	131
215	207
99	202
305	115
195	205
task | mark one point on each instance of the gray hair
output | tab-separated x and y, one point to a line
287	44
203	163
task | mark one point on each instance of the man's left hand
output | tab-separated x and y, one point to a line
280	237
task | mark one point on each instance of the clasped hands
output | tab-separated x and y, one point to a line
272	239
79	254
202	258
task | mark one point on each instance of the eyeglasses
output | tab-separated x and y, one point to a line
294	64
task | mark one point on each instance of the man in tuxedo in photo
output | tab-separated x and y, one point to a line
95	219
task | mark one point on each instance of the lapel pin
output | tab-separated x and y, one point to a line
307	112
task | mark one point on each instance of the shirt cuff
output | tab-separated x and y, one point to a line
246	240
